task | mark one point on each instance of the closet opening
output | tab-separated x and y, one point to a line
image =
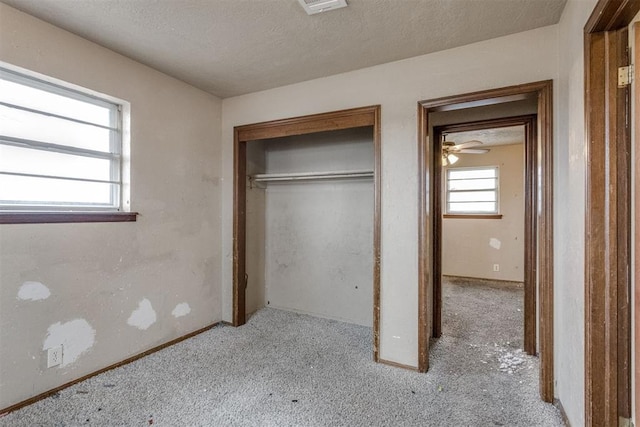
306	230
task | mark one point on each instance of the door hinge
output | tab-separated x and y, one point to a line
625	422
625	75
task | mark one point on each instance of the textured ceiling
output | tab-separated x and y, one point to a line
490	137
232	47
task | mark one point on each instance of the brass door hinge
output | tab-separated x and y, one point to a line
625	75
625	422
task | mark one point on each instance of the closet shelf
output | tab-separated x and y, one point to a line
305	176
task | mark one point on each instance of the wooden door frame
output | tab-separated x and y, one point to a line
335	120
637	217
529	123
607	216
543	148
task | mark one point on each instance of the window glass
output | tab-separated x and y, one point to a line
59	148
32	97
472	190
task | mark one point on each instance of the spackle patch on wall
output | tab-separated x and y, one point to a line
181	309
33	291
143	316
76	337
495	243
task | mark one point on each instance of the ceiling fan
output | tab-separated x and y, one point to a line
450	149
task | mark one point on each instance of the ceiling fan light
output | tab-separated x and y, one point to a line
445	162
452	158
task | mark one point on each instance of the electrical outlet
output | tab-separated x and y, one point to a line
54	356
496	267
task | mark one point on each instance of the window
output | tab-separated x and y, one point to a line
472	191
60	149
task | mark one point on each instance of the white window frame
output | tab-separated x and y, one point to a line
118	150
472	213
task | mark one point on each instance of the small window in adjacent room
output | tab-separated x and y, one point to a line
61	150
472	191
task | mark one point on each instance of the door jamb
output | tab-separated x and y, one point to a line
530	291
543	219
335	120
607	222
636	238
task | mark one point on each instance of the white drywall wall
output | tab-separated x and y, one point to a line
569	210
99	276
319	234
398	86
175	243
470	247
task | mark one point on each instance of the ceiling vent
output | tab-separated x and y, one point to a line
316	6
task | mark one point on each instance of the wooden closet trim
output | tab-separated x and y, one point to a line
607	216
543	220
335	120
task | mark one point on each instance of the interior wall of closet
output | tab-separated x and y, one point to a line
309	222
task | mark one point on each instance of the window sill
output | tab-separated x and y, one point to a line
65	217
472	216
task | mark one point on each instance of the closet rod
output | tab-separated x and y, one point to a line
300	176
